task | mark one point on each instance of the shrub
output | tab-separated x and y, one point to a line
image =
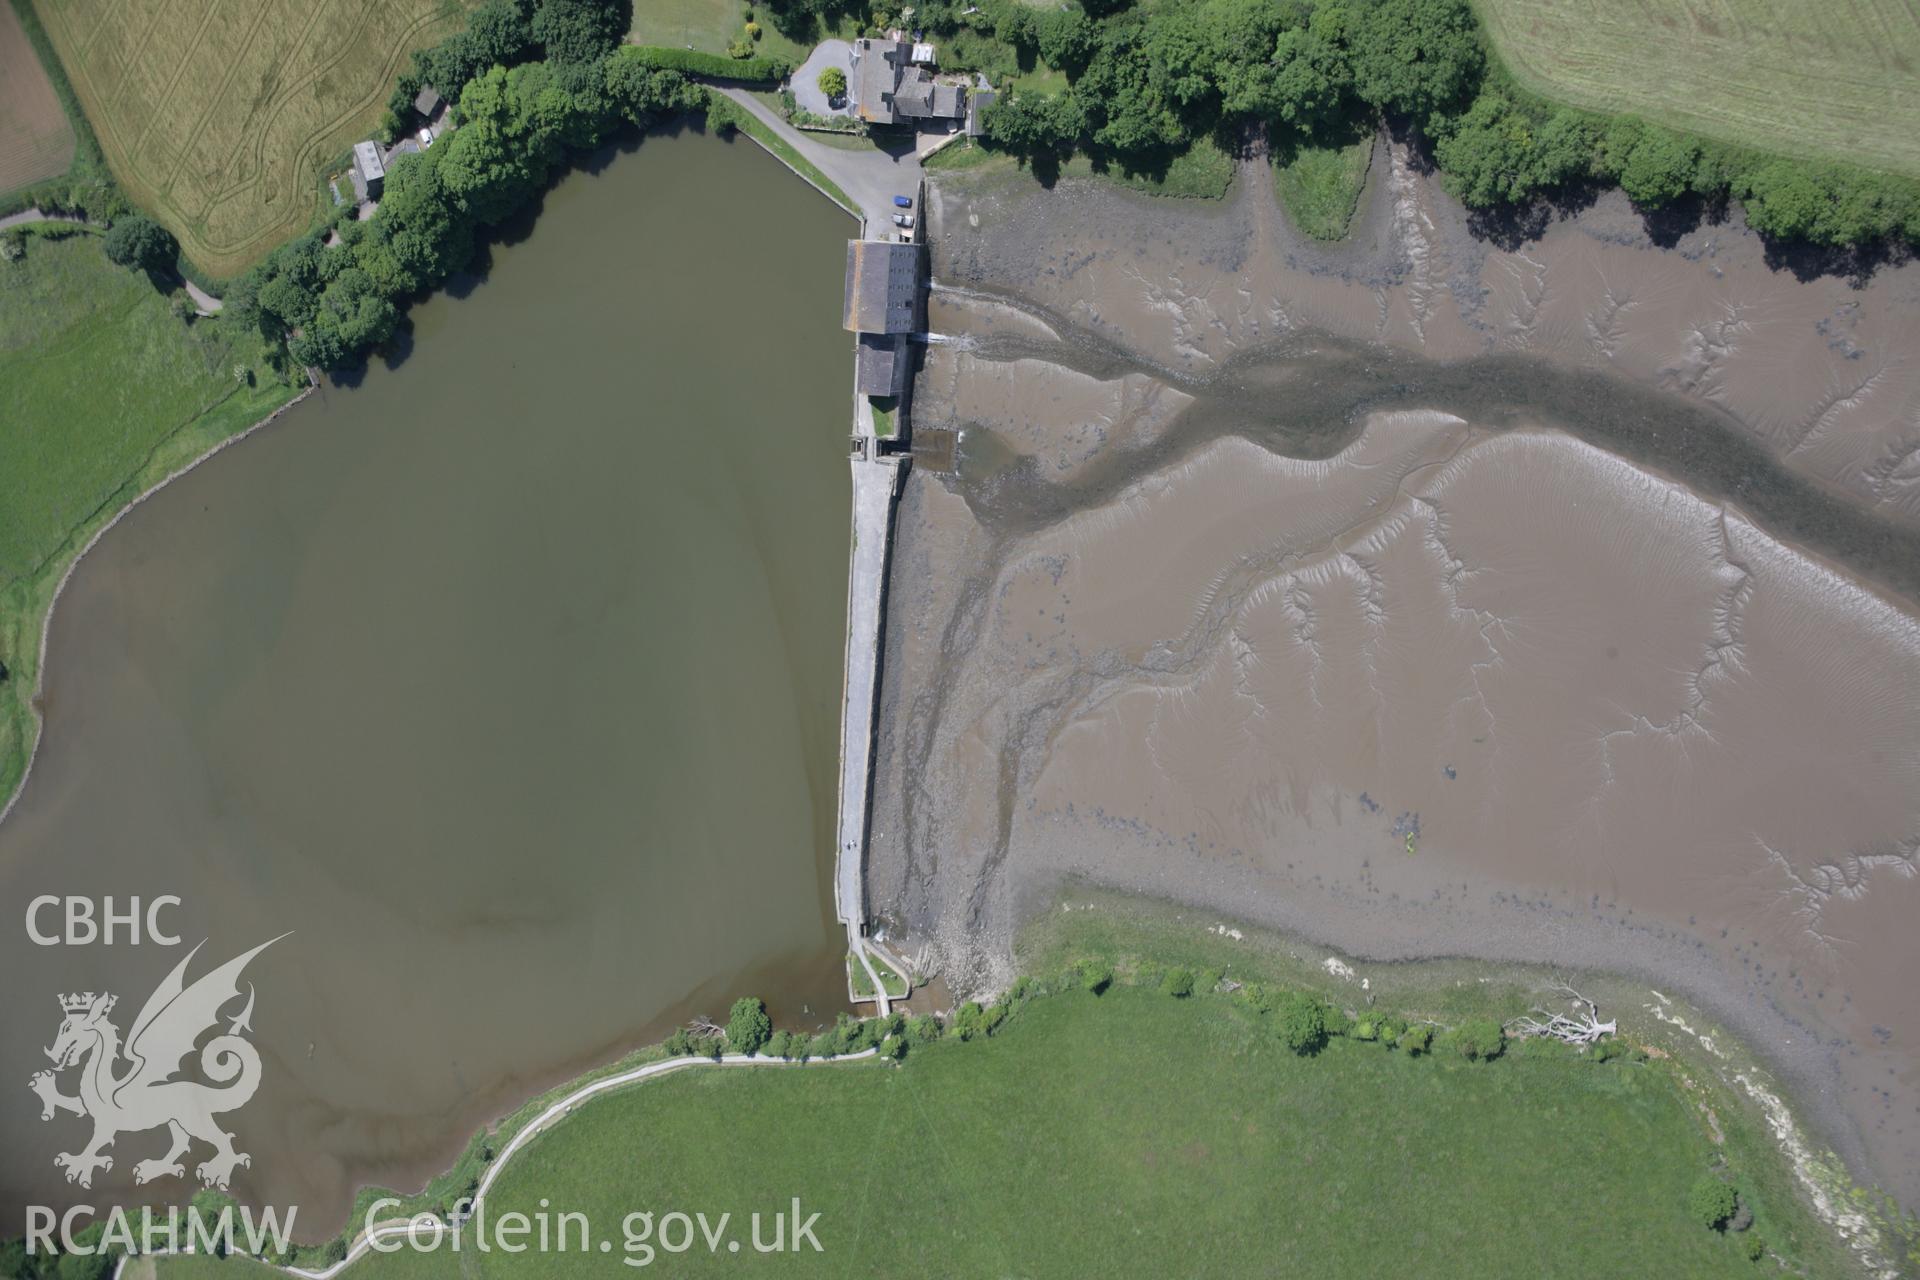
1753	1247
833	83
680	1043
923	1029
1303	1022
1417	1039
1478	1039
1711	1203
1364	1029
968	1020
1095	975
748	1026
1178	983
780	1044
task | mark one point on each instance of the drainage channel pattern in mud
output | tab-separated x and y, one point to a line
1537	654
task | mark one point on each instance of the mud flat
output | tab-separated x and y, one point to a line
1425	598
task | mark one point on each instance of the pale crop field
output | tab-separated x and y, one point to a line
36	142
1825	79
220	116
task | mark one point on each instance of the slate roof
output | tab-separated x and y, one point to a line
880	365
882	287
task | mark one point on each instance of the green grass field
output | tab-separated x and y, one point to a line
103	392
1136	1134
1837	80
710	25
1321	186
221	121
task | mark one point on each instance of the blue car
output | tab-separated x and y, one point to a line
902	202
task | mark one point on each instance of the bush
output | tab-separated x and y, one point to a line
748	1026
1095	975
1303	1022
694	62
680	1043
833	83
1178	983
923	1029
968	1020
1711	1203
1753	1247
1416	1039
1478	1039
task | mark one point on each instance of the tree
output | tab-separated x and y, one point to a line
1711	1203
1659	168
748	1026
833	83
1303	1022
141	243
580	31
1065	38
1416	56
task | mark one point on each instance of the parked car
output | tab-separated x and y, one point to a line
903	202
903	220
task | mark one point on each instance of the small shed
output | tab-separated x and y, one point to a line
369	170
427	101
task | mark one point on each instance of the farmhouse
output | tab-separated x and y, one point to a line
891	85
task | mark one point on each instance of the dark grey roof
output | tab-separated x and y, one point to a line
886	88
883	285
876	71
880	365
977	103
427	101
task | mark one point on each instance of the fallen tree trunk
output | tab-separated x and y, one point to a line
1580	1028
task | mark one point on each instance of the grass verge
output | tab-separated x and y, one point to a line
1320	186
106	393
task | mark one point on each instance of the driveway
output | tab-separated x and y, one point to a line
870	176
806	80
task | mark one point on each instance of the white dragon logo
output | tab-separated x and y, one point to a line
146	1095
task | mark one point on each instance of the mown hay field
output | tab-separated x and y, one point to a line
36	142
1837	80
221	116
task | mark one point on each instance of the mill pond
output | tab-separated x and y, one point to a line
506	678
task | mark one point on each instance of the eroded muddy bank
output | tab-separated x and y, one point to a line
1425	598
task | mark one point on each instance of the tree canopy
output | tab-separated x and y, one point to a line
140	242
